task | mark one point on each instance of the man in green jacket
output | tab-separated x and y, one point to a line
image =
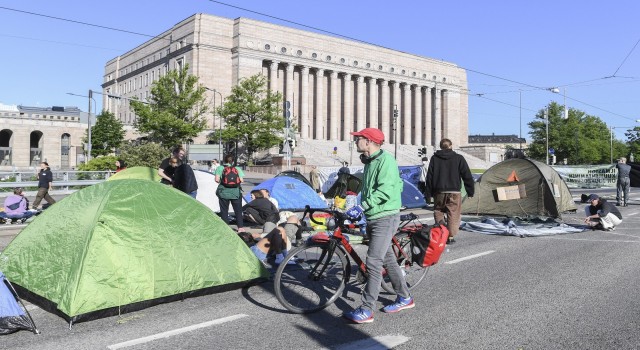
380	204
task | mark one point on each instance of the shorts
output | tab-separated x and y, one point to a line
258	253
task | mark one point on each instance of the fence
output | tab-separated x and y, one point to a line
65	181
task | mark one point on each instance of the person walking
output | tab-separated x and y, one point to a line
314	178
229	178
447	170
601	214
45	181
423	174
380	204
623	183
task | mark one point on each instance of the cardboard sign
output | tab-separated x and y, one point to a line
511	192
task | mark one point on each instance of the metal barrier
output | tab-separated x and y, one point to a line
62	180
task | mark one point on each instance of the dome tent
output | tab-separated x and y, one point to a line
120	246
546	193
137	172
292	194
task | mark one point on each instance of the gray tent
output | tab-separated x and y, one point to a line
520	187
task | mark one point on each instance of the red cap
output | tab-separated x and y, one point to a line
371	134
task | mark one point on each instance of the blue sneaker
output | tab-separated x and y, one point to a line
399	305
359	315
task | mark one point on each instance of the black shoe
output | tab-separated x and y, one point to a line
618	205
451	240
626	205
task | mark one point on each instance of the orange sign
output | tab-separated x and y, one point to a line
513	177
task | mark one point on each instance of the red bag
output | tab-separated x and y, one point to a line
428	244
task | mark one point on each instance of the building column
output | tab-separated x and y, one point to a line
384	110
304	103
360	105
428	117
273	76
406	124
417	115
319	110
347	106
396	104
288	85
373	104
437	120
445	117
334	110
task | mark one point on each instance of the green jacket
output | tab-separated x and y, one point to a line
381	187
228	193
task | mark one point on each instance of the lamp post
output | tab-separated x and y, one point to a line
546	119
219	120
88	120
395	127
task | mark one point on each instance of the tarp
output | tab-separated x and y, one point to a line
207	187
12	317
124	245
546	193
511	227
137	172
292	194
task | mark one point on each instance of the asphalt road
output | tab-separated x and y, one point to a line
571	291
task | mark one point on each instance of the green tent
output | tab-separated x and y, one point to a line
137	172
120	246
541	191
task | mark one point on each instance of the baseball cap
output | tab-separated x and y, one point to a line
593	196
371	134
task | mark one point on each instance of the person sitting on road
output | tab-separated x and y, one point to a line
16	206
277	242
602	214
267	195
260	210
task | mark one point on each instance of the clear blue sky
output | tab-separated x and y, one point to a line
509	47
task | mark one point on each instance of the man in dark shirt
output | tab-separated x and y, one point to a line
602	214
623	184
184	179
165	170
45	180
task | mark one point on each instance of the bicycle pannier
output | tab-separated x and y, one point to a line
428	244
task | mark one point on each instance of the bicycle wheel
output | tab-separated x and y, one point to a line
309	280
413	273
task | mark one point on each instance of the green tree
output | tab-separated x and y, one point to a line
253	116
107	134
147	154
581	138
633	140
175	111
99	164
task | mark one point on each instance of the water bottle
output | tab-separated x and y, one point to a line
363	228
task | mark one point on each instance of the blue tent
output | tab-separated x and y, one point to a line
411	196
12	317
292	194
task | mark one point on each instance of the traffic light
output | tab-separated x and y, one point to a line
419	152
424	151
292	143
287	114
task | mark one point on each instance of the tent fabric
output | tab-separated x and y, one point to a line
519	228
12	317
120	246
296	175
137	172
292	194
411	196
546	193
207	187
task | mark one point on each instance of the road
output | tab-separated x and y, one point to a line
572	291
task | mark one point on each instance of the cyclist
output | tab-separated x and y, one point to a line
380	204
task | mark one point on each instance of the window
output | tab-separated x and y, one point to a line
342	60
368	65
299	52
314	55
283	50
179	63
328	58
355	63
380	67
267	47
392	69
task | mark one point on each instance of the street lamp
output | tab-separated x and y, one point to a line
88	120
219	121
395	127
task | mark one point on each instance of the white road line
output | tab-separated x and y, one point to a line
630	214
174	332
380	342
592	240
470	257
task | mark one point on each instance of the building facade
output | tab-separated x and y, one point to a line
30	135
334	85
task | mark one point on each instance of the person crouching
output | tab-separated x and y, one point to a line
602	214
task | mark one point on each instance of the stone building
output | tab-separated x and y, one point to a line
334	85
30	135
494	148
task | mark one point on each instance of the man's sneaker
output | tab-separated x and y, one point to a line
399	305
451	240
359	315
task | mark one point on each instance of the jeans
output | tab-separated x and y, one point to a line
450	204
380	232
193	194
237	209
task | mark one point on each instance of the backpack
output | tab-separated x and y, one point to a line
428	244
230	177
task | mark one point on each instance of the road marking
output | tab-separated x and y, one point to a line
174	332
470	257
380	342
593	240
630	214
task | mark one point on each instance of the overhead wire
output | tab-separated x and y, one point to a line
625	59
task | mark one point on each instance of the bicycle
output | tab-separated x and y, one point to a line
315	274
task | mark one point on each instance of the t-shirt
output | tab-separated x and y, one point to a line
168	169
227	192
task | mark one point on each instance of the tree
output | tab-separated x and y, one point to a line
253	115
147	154
99	164
107	134
175	111
581	138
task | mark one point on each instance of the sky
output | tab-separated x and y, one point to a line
514	51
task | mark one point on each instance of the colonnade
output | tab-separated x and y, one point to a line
328	105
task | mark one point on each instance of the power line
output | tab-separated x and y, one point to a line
625	59
60	42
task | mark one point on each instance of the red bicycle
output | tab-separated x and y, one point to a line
314	275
